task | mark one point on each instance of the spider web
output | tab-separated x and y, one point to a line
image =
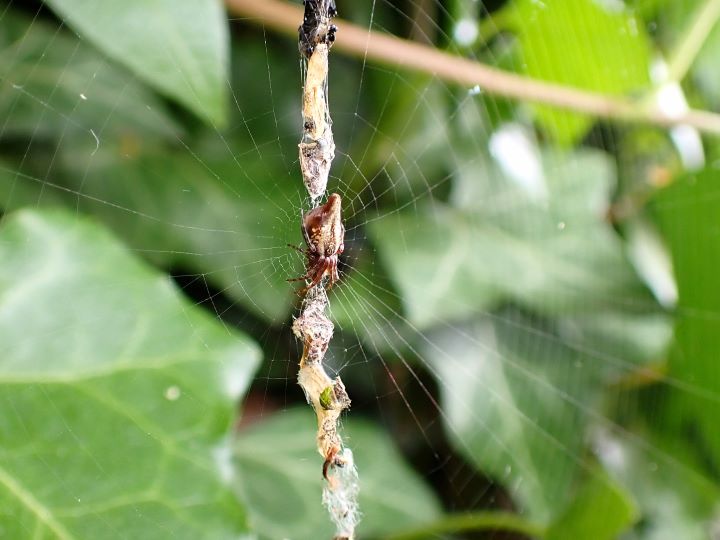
493	318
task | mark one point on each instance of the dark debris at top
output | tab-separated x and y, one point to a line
316	27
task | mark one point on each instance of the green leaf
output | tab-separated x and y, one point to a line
281	478
229	222
624	339
55	85
411	144
180	48
601	510
687	214
117	393
551	250
219	206
582	44
517	402
675	497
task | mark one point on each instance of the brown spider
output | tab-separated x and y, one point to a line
333	459
324	232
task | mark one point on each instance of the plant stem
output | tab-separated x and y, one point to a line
473	522
391	50
693	38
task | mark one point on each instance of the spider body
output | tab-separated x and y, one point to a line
324	235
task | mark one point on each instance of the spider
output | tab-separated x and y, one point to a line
324	232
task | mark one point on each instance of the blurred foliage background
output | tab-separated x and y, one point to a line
528	320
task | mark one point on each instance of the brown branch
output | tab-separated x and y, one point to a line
393	51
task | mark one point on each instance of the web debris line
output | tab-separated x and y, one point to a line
313	327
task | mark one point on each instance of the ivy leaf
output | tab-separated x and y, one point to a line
583	44
687	214
229	222
55	85
281	478
550	250
221	208
517	401
623	338
674	494
180	48
117	393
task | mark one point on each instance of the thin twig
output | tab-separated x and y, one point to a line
391	50
692	40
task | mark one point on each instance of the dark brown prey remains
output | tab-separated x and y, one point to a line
324	234
316	27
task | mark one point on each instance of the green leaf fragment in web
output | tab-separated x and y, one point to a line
180	48
117	394
584	44
281	478
326	398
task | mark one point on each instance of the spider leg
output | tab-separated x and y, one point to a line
315	275
329	460
320	270
301	250
334	276
302	290
307	275
331	269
